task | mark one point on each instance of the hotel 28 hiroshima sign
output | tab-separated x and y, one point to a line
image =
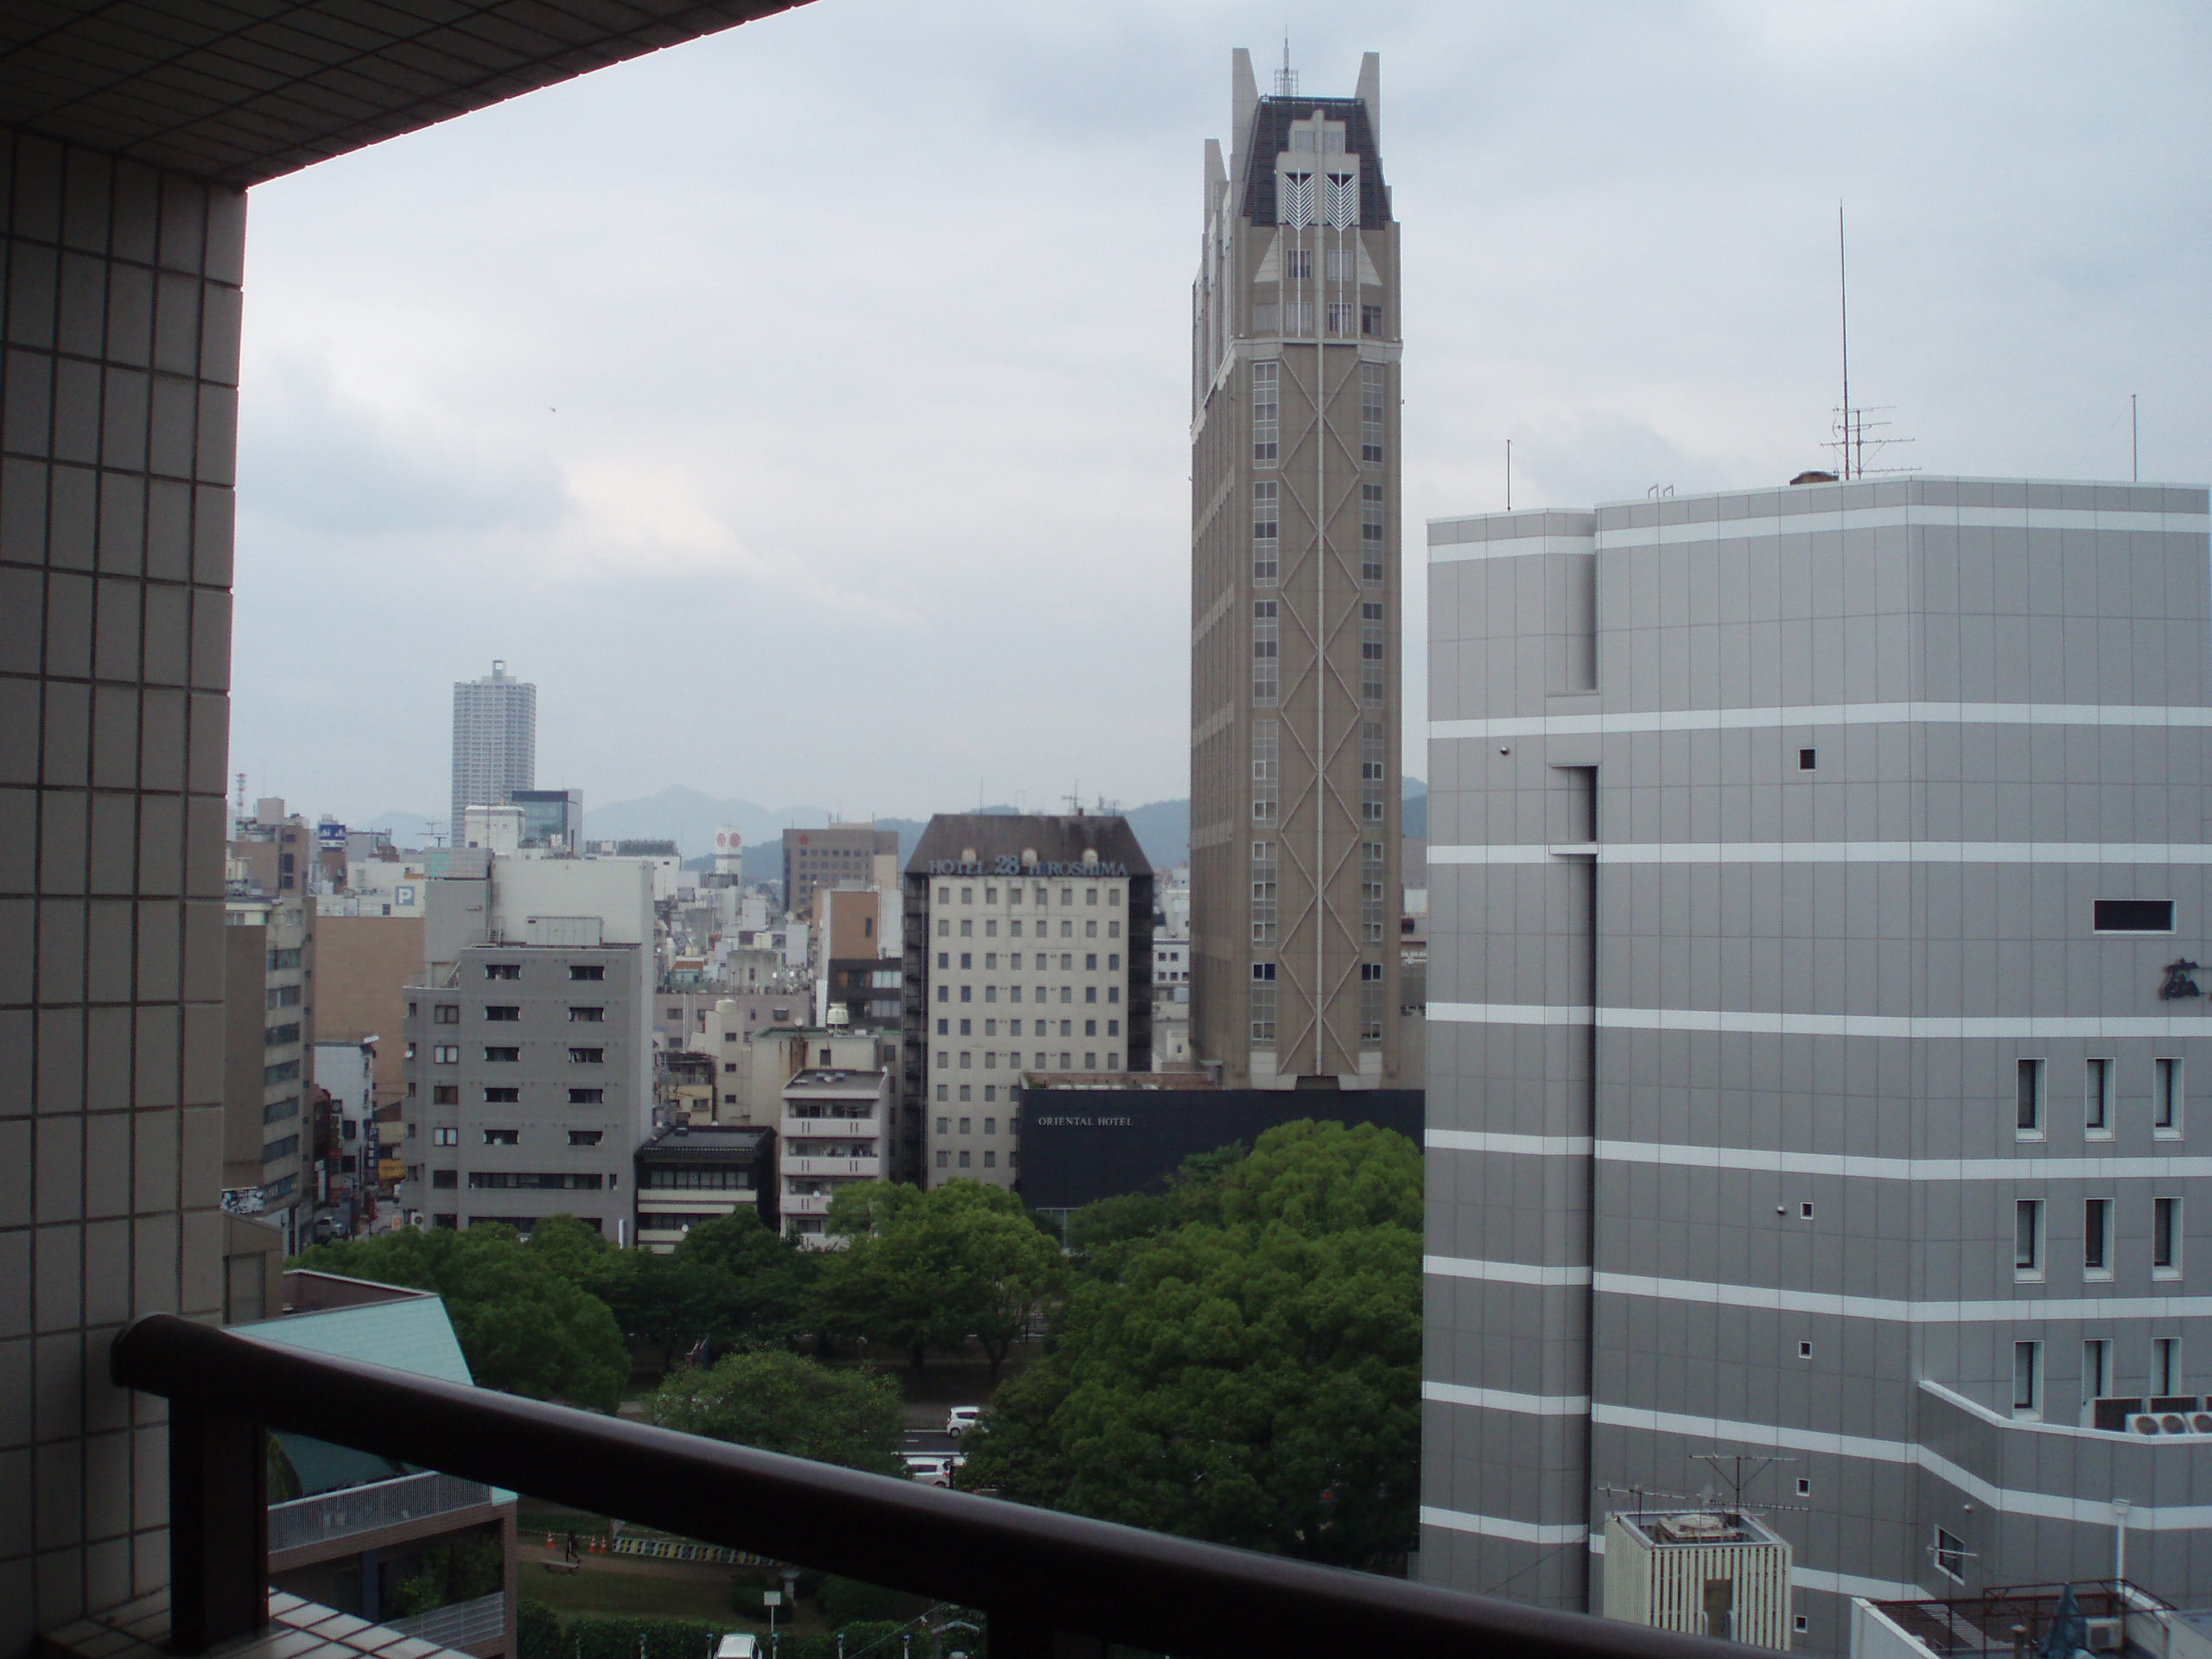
1008	864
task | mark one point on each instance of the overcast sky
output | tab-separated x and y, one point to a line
805	409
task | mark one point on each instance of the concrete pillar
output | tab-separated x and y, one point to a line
118	430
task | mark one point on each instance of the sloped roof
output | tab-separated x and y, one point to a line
241	91
1055	839
412	1334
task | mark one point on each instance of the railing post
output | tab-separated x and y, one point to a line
219	1527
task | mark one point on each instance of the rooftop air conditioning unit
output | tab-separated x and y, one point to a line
2105	1635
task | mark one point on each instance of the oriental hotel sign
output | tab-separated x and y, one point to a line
1008	864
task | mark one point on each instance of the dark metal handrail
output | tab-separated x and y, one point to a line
1053	1586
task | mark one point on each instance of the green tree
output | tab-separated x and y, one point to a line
537	1631
461	1570
934	1269
781	1402
767	1275
524	1327
1248	1376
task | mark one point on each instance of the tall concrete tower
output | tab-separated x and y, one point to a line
494	741
1295	608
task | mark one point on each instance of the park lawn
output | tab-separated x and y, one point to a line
693	1593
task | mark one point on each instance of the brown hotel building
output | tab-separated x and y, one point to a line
1294	596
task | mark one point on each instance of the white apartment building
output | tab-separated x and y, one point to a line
1030	945
836	1121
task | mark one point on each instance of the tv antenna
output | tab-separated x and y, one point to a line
1850	423
1285	76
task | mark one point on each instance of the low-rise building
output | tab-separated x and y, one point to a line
835	1126
348	1530
686	1174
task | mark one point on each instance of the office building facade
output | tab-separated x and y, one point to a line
1816	881
1294	602
494	743
1029	949
850	854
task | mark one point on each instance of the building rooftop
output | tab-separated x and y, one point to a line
1002	844
836	1083
1117	1080
712	1143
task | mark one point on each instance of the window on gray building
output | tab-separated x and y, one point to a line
2027	1238
2166	1365
2165	1238
2029	1121
2096	1097
2027	1379
2096	1238
2165	1096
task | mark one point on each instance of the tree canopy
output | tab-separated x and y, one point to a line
524	1328
1239	1361
934	1269
781	1402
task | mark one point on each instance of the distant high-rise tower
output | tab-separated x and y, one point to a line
1295	707
494	741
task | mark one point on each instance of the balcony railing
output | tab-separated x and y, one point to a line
866	1167
484	1619
1051	1585
363	1509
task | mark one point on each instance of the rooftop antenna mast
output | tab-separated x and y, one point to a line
1285	76
1843	313
1851	424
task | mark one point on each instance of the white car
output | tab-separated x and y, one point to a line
932	1468
738	1645
961	1419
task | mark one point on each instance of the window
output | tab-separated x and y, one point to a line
1298	262
1267	531
587	970
943	1159
2165	1238
943	931
2027	1238
445	1179
2096	1369
587	1016
1267	774
944	895
586	1096
1950	1556
2096	1097
1804	1350
445	1094
1373	381
503	1137
2028	1124
1371	534
585	1137
509	1015
1799	1623
503	971
1370	320
445	1013
587	1057
445	1137
2027	1379
1371	648
449	1054
2096	1238
1370	1003
965	1158
2166	1365
1804	1487
967	958
1267	651
1263	1002
1267	411
2133	916
1343	317
518	1180
2165	1097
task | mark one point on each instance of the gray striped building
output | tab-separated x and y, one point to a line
1808	1071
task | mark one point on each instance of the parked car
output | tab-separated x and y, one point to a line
930	1468
738	1645
961	1419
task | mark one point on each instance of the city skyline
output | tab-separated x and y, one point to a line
2018	267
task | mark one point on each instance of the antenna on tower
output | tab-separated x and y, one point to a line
1285	76
1849	425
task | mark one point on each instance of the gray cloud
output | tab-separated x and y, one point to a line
867	326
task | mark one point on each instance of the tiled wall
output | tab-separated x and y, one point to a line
118	427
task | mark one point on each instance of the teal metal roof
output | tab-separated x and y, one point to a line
410	1334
